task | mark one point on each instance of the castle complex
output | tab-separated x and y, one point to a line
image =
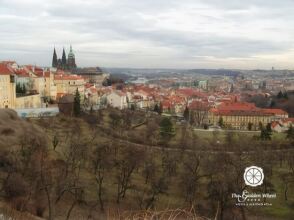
64	63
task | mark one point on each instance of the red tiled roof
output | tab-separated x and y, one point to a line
190	92
274	111
166	104
236	106
244	108
88	85
198	105
5	70
67	77
22	72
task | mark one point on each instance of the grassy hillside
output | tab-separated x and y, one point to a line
103	166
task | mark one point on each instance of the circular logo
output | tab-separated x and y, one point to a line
253	176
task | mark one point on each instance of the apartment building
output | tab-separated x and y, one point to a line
7	86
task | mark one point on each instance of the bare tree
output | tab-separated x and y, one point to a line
127	161
101	161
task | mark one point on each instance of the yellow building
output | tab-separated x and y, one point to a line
7	87
50	87
243	116
68	84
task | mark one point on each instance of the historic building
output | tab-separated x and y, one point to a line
243	116
64	63
7	86
68	84
93	75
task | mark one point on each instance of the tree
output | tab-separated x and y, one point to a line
260	126
127	161
250	124
101	164
190	177
290	133
149	169
160	108
133	107
186	114
156	108
77	103
24	89
266	132
269	128
166	127
280	95
158	186
55	141
18	88
221	122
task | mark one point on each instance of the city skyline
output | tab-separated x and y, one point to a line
161	34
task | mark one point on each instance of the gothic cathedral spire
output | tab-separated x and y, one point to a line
54	59
63	59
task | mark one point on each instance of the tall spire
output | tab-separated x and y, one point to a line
54	59
63	59
71	63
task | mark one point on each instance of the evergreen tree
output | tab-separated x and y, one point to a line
290	133
186	113
77	103
24	89
18	88
285	95
133	107
156	108
250	124
160	109
221	122
166	127
280	95
266	133
260	125
269	128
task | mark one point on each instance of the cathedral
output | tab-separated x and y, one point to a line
64	63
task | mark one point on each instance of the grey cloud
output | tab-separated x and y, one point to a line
35	26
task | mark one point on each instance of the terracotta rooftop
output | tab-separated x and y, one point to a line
5	70
67	77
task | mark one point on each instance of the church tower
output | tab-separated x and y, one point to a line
54	59
71	62
63	60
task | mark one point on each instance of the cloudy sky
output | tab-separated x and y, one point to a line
150	33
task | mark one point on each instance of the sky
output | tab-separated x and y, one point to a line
186	34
